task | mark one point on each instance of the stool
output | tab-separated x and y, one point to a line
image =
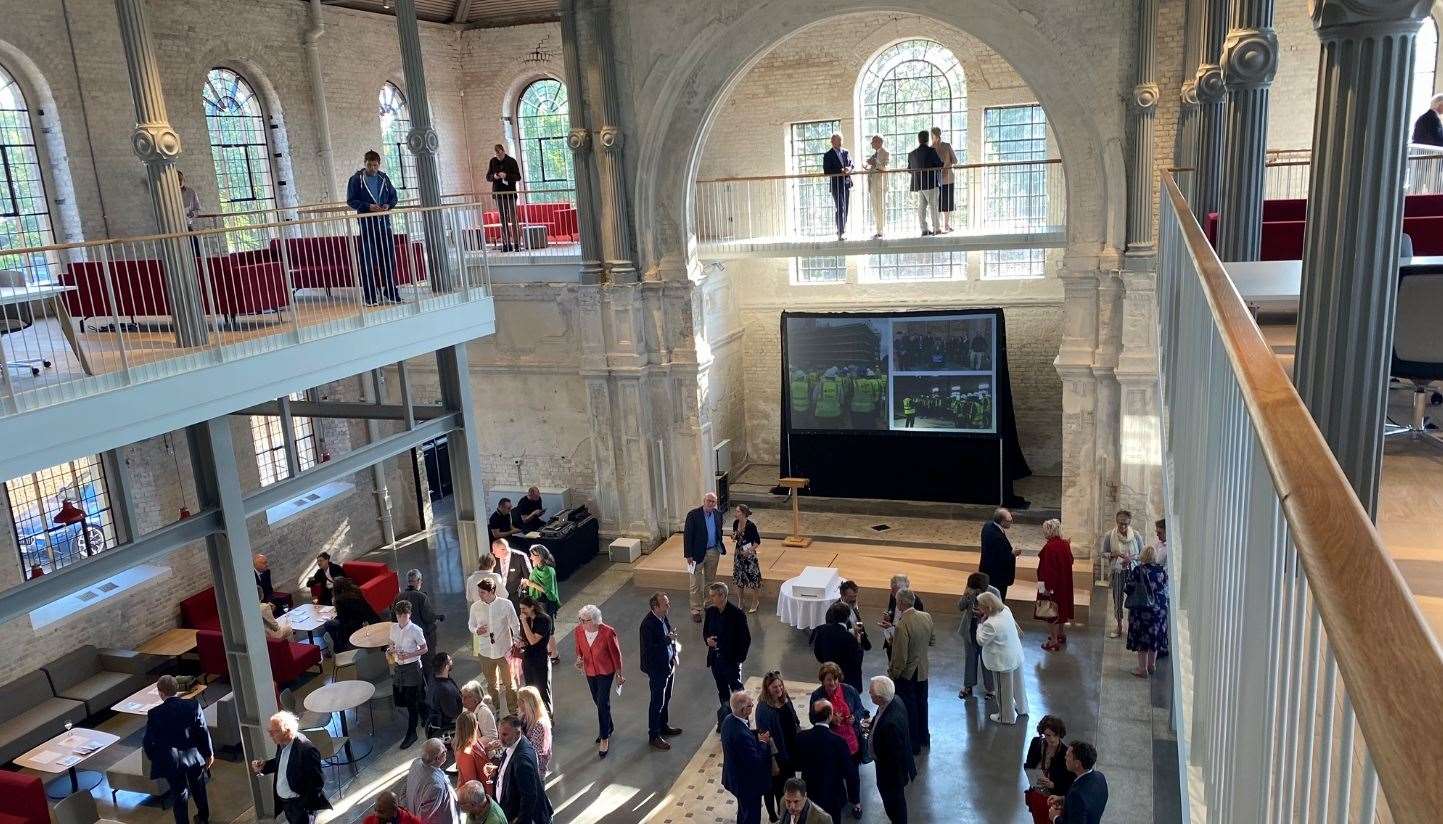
625	550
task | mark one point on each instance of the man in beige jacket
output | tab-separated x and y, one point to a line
909	665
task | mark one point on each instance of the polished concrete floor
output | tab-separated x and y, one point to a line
972	773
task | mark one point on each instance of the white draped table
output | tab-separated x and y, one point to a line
803	612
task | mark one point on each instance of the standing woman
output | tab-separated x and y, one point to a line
1048	755
1054	572
598	657
846	722
977	583
541	585
1002	653
538	725
747	572
471	754
536	631
776	715
1147	612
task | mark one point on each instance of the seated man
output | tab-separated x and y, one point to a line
268	594
529	513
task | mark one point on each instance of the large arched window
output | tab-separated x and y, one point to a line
909	87
1425	66
24	206
399	162
542	121
240	149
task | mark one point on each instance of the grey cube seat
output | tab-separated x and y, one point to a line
33	714
132	774
99	678
224	723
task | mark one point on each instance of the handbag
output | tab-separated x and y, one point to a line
1044	609
1139	592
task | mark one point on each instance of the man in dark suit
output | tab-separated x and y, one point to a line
837	642
822	756
268	595
1428	128
702	545
728	638
512	565
854	614
177	742
504	172
926	168
837	163
746	756
1086	799
658	661
891	749
999	559
300	785
519	787
323	583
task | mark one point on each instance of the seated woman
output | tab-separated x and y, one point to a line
273	627
352	613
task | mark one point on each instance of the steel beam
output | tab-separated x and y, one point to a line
453	370
462	13
340	409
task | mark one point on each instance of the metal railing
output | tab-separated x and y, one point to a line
1285	177
1023	197
120	312
1305	672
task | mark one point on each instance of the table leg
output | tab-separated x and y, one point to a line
74	781
67	327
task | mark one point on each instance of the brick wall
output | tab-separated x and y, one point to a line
493	75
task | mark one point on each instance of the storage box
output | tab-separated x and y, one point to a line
625	550
815	582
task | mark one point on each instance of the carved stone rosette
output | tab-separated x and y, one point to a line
579	140
610	139
1210	87
1145	97
155	143
1250	58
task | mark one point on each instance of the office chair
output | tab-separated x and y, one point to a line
18	317
1417	349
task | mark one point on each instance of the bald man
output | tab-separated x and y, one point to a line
267	593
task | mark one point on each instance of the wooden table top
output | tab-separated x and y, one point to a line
340	696
373	636
172	643
308	617
66	750
145	700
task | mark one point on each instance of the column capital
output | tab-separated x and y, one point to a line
1250	58
155	143
1187	95
579	139
423	141
1327	13
610	138
1210	88
1145	97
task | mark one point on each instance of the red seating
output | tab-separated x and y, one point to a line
199	611
289	660
24	799
1284	222
238	284
379	584
329	261
559	219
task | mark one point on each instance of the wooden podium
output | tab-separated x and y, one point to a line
796	539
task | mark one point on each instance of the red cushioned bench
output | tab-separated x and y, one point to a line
199	611
24	799
329	261
231	285
289	660
1284	222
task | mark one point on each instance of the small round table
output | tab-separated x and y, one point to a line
373	636
337	697
801	611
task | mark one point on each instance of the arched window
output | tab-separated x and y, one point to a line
24	206
1425	66
240	149
542	121
398	161
907	88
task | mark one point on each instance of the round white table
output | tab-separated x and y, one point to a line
373	636
803	612
337	697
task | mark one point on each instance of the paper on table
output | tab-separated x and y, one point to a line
46	757
68	761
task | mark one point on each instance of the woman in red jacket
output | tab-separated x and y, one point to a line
598	656
1054	572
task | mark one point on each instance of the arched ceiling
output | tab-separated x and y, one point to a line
471	14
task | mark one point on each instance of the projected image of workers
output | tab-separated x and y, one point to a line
943	345
837	373
943	403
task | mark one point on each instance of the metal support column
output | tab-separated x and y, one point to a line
423	142
157	145
579	139
1250	59
1355	218
218	485
382	490
453	370
288	437
1211	94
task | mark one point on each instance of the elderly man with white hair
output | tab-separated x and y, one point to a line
891	746
428	792
478	807
300	783
423	612
598	657
702	547
888	621
746	759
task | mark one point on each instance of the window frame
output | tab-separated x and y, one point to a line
35	226
1015	264
809	209
256	152
1425	63
103	515
394	113
538	178
269	447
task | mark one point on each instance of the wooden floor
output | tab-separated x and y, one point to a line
1410	514
938	574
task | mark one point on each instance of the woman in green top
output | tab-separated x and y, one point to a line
543	581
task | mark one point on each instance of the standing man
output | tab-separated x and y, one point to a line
837	165
1428	128
925	165
999	559
300	784
746	757
1119	547
946	197
519	786
823	758
658	661
503	172
370	193
727	639
495	627
891	749
1159	528
827	405
485	570
500	522
529	514
323	583
177	742
428	792
408	645
909	666
1086	799
854	618
877	184
424	613
888	621
512	565
478	807
191	201
702	546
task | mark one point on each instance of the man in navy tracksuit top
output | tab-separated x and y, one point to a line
370	192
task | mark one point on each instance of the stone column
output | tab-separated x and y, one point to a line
1144	112
325	155
1355	200
157	145
597	65
1211	93
1080	475
1185	142
581	143
423	142
1250	59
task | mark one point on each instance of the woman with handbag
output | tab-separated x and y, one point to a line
1054	584
1048	755
776	715
1146	621
747	572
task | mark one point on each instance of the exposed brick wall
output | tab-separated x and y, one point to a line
493	75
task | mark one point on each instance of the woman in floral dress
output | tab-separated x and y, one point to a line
1147	625
747	571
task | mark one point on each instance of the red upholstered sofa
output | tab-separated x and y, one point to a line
329	261
238	284
289	660
379	583
1284	221
199	611
558	218
24	799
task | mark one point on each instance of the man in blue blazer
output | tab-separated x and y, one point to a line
837	162
824	761
177	742
370	193
703	547
1086	799
658	661
746	757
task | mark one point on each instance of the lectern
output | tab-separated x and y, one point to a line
796	485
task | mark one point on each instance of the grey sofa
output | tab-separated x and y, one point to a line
100	678
33	714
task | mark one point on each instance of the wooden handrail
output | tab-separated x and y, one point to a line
858	172
1390	661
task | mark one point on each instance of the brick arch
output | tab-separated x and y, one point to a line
59	187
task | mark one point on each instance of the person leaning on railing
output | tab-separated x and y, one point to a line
371	194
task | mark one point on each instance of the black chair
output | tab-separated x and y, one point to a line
1418	349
